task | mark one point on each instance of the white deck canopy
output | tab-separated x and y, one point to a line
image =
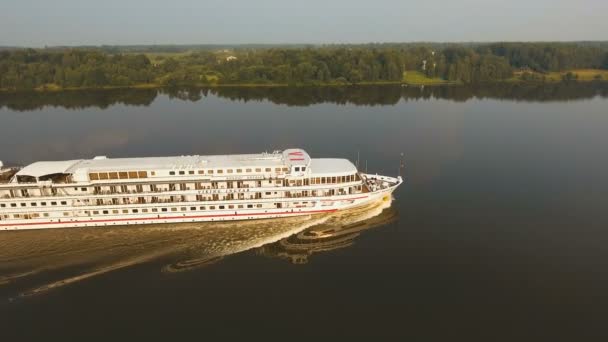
45	168
331	166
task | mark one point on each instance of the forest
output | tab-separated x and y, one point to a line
98	67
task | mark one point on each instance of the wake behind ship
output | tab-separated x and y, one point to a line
125	191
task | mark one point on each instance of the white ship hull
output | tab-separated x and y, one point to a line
323	206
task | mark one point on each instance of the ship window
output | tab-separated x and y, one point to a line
46	214
144	210
33	204
285	169
132	174
114	211
212	207
66	214
239	170
164	209
259	205
3	205
221	207
173	209
113	175
240	206
53	203
220	171
231	207
142	174
154	210
103	175
64	203
182	172
83	189
23	204
93	176
13	205
268	193
123	175
258	170
201	172
201	208
297	168
190	172
135	211
125	211
192	208
247	170
152	173
210	172
249	205
278	169
303	168
105	212
268	169
229	170
172	173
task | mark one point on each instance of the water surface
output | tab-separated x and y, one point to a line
499	232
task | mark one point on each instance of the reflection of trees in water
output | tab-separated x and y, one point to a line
305	96
390	95
77	99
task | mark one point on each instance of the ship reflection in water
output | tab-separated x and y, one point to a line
325	237
34	262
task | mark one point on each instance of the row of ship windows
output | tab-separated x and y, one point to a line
144	174
292	182
32	204
182	187
146	210
221	171
119	175
156	210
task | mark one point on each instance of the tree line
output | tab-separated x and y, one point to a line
348	64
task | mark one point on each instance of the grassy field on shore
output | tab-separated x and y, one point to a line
413	77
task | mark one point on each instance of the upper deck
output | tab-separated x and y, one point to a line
291	162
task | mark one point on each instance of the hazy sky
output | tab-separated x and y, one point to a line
77	22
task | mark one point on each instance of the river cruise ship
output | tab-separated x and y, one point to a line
130	191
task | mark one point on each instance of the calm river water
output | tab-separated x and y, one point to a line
499	233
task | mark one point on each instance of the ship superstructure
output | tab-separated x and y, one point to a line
122	191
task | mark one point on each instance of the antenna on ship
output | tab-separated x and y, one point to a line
401	165
365	165
357	160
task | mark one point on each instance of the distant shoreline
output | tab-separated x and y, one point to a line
431	83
